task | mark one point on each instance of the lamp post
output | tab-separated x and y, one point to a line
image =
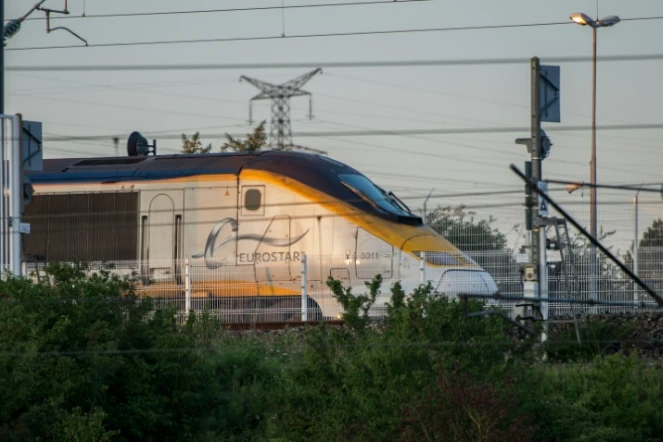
585	20
635	245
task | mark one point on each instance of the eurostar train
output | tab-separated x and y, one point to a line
246	218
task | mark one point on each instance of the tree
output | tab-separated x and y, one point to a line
458	225
650	251
257	140
194	145
83	356
653	236
480	240
254	141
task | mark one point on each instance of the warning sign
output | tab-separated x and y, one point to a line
542	204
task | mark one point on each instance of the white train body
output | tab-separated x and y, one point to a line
243	222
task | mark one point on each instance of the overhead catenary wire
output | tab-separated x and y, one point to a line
249	9
446	142
378	132
395	149
331	64
291	36
624	187
428	91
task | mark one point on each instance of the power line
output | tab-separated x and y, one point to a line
517	207
294	36
208	11
638	188
378	132
428	91
411	110
125	107
409	151
328	64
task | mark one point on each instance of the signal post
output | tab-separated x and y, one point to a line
545	106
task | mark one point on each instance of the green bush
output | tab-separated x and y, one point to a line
598	337
83	358
613	398
353	383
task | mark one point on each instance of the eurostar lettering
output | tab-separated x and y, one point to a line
268	257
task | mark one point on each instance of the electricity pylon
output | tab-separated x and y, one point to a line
280	133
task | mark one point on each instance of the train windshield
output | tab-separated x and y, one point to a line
375	195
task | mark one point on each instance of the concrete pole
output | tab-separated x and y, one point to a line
592	192
3	209
16	195
635	246
2	59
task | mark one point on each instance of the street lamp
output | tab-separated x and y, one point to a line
585	20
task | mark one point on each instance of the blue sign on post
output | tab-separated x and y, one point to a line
32	148
549	77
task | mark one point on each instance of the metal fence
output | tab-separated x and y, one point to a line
276	293
491	229
493	234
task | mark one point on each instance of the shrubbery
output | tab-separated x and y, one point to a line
83	359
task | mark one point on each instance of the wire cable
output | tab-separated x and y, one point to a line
332	34
380	132
257	8
294	36
327	64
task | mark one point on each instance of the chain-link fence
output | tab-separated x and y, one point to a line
493	235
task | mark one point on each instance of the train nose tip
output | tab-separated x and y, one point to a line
454	282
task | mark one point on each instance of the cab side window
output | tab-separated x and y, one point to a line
253	200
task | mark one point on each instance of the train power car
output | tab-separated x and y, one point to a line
246	218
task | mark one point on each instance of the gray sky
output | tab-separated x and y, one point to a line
97	103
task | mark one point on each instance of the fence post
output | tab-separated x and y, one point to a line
16	194
422	269
187	287
304	289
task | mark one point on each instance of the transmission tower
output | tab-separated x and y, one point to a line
280	134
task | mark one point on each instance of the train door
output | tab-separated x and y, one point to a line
374	256
264	236
338	248
161	235
210	230
305	229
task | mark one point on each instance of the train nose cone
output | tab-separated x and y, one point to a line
454	282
